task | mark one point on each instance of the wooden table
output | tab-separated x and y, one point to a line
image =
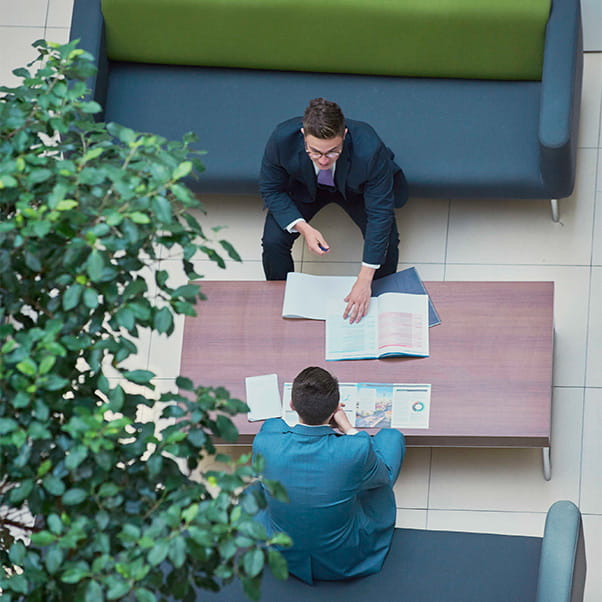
490	363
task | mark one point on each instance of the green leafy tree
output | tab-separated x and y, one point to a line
122	508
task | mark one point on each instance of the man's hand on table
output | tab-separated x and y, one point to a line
358	300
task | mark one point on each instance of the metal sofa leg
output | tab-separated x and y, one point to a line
555	213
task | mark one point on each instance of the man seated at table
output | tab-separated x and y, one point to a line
342	509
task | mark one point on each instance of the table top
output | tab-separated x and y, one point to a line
490	363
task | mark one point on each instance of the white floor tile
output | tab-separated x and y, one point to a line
16	51
342	235
410	519
59	35
571	290
591	464
522	231
329	268
504	523
411	488
24	13
512	479
422	225
591	99
239	220
59	13
594	343
592	527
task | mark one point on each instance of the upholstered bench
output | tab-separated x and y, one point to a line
477	99
445	566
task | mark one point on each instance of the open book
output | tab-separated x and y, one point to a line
396	325
309	296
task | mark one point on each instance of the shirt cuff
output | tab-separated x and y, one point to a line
291	227
352	431
371	265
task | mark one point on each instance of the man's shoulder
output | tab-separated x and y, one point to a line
289	127
363	135
273	425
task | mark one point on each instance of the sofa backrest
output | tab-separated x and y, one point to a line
482	39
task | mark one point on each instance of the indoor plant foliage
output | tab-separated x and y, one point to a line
86	209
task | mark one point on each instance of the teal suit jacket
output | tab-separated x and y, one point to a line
341	513
365	172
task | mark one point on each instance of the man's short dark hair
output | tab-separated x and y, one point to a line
315	395
323	119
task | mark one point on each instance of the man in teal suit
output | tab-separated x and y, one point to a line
341	513
321	159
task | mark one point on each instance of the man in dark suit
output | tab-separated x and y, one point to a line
323	159
341	513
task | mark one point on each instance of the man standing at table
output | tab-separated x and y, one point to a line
321	159
341	513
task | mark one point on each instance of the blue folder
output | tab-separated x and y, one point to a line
406	281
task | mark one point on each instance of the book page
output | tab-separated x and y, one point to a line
346	341
263	397
309	296
411	406
288	414
374	405
403	324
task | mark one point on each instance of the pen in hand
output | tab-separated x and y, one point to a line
325	249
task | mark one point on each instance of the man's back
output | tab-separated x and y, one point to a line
342	509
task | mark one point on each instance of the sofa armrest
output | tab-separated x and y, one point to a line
87	25
561	97
562	564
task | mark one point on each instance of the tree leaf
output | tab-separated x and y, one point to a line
53	485
177	551
162	209
90	298
182	170
28	367
163	321
74	496
277	564
159	552
117	587
140	377
253	562
93	592
54	559
95	265
226	429
144	595
74	574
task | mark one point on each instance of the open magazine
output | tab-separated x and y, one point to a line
377	405
396	325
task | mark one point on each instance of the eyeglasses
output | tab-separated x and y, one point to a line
318	155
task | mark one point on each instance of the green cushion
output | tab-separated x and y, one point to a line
488	39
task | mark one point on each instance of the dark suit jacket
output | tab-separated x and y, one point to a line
365	172
341	513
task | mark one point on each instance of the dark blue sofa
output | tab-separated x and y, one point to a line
454	138
444	566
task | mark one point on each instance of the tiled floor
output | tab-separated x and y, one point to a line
468	489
